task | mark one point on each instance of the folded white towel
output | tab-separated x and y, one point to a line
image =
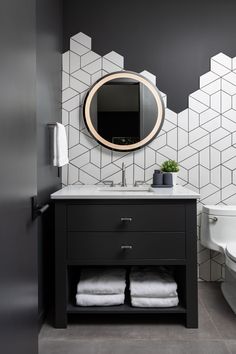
154	302
99	300
152	282
101	281
60	146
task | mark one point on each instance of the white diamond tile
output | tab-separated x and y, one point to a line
74	62
115	58
204	174
193	119
228	124
150	157
78	85
93	67
65	117
86	178
159	142
66	62
106	157
73	137
218	134
212	124
186	153
64	175
212	87
218	68
183	119
207	116
82	76
109	67
234	63
216	101
231	164
214	157
83	39
201	96
216	176
234	103
228	192
65	80
168	152
71	103
172	139
139	158
149	76
226	176
92	170
95	77
73	174
197	134
75	118
171	116
89	58
196	105
81	160
201	143
76	151
208	78
68	93
204	156
182	138
95	156
223	143
228	87
228	153
109	171
190	162
223	59
194	176
231	77
78	48
225	102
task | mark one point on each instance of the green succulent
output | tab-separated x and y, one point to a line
170	166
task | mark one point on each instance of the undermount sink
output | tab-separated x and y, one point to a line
125	189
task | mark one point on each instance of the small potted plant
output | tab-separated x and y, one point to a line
172	167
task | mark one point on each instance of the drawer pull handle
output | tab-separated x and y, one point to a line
126	219
126	247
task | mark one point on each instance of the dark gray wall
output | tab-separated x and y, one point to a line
173	39
48	90
18	178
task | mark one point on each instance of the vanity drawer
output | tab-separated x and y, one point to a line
165	217
120	245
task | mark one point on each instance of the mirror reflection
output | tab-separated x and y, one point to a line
123	112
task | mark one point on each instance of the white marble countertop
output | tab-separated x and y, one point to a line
104	192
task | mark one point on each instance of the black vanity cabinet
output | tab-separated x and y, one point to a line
125	232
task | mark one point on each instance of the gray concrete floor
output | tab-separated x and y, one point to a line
148	335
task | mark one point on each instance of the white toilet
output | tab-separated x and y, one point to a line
218	232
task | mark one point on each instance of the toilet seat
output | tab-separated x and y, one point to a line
231	251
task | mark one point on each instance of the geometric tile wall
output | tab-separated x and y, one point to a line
202	138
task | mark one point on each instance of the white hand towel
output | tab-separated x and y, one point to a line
101	281
99	300
154	302
60	146
152	282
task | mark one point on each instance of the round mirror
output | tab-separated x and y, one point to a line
123	111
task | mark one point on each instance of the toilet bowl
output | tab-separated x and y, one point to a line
218	232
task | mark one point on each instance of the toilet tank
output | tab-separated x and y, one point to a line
218	226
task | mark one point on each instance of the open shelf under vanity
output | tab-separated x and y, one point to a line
89	233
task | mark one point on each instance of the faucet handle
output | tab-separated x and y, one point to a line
108	183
